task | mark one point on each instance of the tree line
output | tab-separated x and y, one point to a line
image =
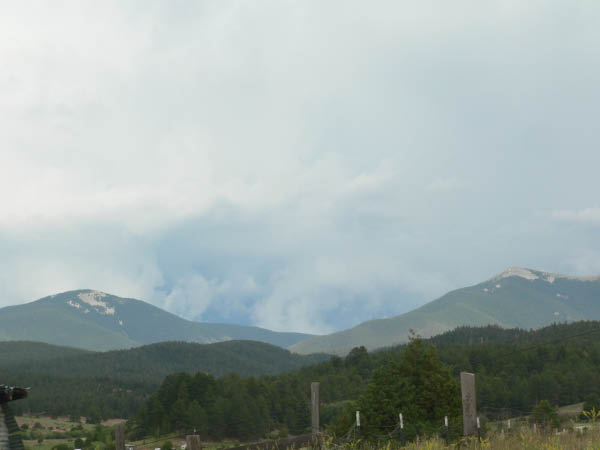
515	369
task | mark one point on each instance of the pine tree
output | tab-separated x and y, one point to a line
419	386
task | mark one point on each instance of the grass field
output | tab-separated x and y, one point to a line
61	423
47	444
51	430
525	439
573	438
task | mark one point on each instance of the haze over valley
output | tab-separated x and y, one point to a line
515	298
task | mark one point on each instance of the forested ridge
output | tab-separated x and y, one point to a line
515	369
68	381
28	352
151	363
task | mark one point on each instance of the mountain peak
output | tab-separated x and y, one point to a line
94	300
531	275
97	320
521	272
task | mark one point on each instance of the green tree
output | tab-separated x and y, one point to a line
197	418
419	386
545	415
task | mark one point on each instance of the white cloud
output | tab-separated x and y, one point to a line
41	261
583	262
275	162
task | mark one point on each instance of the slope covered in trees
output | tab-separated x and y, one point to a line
26	352
249	408
152	363
115	384
515	369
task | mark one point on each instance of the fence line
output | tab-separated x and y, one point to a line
470	413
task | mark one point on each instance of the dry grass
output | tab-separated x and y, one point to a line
525	440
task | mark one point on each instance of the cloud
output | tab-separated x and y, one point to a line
39	261
275	163
585	216
583	262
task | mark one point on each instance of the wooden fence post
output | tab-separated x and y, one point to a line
314	401
446	431
120	437
193	442
469	403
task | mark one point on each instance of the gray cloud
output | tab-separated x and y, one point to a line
294	165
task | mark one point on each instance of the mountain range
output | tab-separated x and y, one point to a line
517	297
95	320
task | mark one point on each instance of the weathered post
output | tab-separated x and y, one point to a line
120	437
469	404
358	422
401	429
314	400
193	442
446	431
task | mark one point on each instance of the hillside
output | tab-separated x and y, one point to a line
115	383
97	321
151	363
517	297
27	352
515	369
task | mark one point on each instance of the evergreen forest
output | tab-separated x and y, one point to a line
514	368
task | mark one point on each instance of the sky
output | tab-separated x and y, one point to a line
295	165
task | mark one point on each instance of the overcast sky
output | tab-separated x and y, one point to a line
297	165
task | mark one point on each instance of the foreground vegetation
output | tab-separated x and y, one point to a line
46	433
524	440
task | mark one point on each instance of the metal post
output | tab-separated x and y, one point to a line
358	422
